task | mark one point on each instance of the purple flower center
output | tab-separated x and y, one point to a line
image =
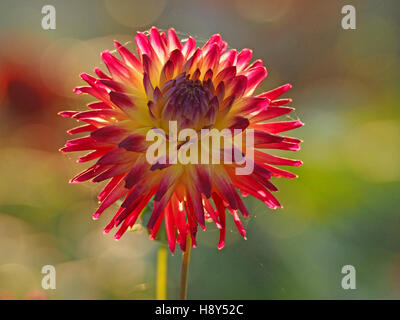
189	104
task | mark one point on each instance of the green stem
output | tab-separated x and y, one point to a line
185	269
161	280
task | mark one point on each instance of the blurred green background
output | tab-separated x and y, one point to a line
343	209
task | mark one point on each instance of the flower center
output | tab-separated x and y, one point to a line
191	104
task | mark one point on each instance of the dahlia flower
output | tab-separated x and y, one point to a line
173	80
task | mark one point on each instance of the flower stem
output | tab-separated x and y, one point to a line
185	269
162	262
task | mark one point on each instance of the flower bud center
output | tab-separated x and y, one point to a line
189	104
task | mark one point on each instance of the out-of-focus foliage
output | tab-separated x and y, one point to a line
343	209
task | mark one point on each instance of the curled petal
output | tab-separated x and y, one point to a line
93	155
67	114
148	86
115	170
277	172
280	145
170	227
80	129
228	59
243	59
189	47
239	224
157	43
143	45
177	58
221	214
137	173
101	74
129	58
100	117
110	134
89	173
169	178
270	159
159	206
203	179
116	156
196	206
81	144
211	58
116	67
134	142
173	41
236	86
276	93
224	185
116	192
167	72
112	85
123	101
254	78
270	113
99	105
277	127
109	187
262	138
239	123
281	102
249	105
225	74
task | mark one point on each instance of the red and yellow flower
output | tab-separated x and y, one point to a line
208	87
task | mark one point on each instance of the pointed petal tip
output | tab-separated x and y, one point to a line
298	163
85	76
105	53
77	91
117	44
67	114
